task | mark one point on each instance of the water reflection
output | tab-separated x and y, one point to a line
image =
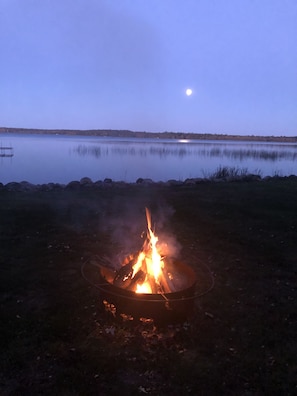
271	153
261	154
96	151
61	159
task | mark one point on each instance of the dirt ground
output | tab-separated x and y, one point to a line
57	338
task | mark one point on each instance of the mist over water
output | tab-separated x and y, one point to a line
60	159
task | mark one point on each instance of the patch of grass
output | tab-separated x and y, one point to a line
230	172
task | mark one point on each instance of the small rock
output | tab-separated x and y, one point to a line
85	180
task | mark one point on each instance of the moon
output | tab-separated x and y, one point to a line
189	91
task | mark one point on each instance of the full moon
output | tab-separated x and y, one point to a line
189	92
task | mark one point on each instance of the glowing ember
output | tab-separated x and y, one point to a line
144	288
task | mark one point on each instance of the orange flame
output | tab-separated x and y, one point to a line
149	261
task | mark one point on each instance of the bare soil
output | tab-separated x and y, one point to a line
57	337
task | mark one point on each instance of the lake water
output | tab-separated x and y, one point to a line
60	159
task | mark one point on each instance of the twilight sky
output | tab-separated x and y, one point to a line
126	64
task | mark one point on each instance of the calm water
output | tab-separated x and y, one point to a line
61	159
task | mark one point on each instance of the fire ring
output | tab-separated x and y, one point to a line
147	283
176	306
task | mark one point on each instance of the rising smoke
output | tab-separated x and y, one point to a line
126	224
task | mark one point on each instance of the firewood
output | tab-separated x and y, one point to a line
167	282
124	275
107	273
139	277
152	283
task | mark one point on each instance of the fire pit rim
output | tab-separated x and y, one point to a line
144	297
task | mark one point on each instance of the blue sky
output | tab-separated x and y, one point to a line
125	64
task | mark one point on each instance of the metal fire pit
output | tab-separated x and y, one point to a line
168	307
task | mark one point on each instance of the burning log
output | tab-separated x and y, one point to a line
124	275
153	284
107	273
166	282
138	278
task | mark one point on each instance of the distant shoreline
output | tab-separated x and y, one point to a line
152	135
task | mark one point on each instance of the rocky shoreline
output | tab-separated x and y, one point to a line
87	183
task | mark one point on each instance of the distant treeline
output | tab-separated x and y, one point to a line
154	135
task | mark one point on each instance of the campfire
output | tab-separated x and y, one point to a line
146	283
148	271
